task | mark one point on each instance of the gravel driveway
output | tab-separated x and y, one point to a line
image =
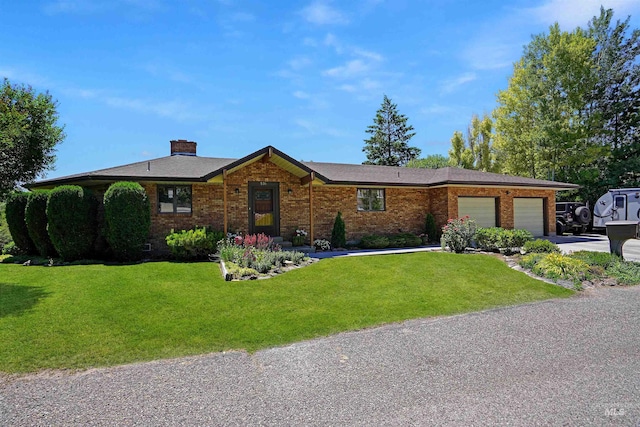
564	362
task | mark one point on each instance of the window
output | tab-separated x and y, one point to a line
370	199
174	199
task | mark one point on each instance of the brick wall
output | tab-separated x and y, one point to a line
206	211
405	208
505	202
405	211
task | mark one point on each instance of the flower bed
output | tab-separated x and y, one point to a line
255	255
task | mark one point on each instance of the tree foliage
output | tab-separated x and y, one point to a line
16	204
35	215
128	219
541	125
571	111
390	135
28	134
614	104
476	152
432	161
71	212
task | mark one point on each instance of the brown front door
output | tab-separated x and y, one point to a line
264	208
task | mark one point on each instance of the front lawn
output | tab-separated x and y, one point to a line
96	315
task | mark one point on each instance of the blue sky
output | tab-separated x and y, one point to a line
304	76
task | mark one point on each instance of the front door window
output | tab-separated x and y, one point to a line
264	208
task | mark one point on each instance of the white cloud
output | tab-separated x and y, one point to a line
176	110
300	94
453	84
368	54
318	129
352	68
436	109
321	13
299	62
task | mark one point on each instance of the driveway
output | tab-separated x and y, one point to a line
563	362
596	242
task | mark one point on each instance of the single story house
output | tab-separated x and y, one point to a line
269	192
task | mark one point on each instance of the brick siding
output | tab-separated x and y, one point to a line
405	208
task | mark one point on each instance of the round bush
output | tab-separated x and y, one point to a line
540	246
71	212
374	242
16	205
35	215
127	215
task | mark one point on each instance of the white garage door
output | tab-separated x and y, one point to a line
480	209
529	215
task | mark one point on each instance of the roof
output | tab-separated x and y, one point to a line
180	168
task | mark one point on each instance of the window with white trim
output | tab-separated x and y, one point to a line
370	199
174	199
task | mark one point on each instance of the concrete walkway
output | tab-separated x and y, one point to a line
584	242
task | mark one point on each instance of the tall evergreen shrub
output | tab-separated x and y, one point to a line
16	205
127	215
338	234
431	230
71	212
35	215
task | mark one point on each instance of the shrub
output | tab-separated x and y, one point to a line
489	238
517	238
602	259
530	260
196	243
5	235
556	266
540	246
322	245
374	242
35	215
338	234
71	213
458	233
626	272
403	240
127	215
431	229
15	208
497	238
11	249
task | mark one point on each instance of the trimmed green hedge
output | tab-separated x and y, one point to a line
71	211
127	214
35	215
15	208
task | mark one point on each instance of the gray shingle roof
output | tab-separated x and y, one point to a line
197	169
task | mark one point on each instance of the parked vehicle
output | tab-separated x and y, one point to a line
622	204
572	217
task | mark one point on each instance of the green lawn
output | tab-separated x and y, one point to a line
97	315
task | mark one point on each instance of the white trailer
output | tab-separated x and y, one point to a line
622	204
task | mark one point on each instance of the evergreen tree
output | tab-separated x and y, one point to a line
390	135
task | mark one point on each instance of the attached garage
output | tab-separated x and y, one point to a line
528	214
481	209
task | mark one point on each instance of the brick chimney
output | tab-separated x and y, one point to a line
182	147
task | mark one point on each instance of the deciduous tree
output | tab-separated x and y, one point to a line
28	134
